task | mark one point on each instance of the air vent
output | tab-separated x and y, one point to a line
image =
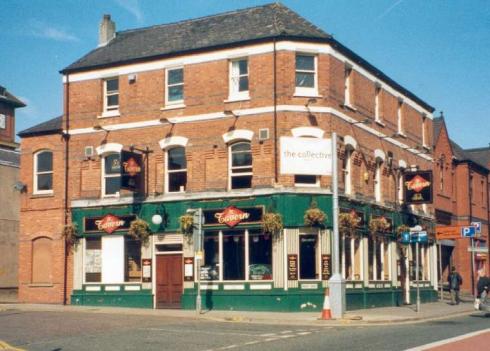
89	151
264	134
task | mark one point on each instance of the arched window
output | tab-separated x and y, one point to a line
43	172
176	170
111	175
240	165
41	261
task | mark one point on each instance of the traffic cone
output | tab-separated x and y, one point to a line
326	314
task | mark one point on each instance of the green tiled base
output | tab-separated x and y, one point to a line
139	299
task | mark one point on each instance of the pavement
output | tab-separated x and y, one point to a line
377	316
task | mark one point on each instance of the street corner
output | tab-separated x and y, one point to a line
5	346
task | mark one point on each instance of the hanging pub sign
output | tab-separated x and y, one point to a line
231	216
292	267
417	187
131	170
108	223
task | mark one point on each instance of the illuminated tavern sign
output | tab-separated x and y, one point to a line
418	187
108	223
231	216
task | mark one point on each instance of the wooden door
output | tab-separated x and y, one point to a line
169	281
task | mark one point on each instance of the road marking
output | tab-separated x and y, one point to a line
448	341
286	332
228	347
269	334
252	342
197	331
304	333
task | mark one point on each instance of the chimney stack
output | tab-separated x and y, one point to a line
107	30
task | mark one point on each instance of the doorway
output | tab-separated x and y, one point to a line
169	281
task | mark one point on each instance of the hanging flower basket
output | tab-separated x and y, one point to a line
186	223
140	230
378	225
70	234
314	217
348	224
272	223
403	228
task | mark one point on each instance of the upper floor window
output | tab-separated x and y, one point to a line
111	176
306	74
347	85
240	165
3	121
377	103
175	86
239	78
424	133
43	172
347	168
176	170
400	116
378	186
111	94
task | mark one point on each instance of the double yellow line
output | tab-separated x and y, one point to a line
5	346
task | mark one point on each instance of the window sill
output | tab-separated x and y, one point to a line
110	114
237	99
380	123
40	285
172	107
301	185
41	195
401	135
313	94
349	107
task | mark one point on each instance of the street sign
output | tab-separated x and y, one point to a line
477	225
449	232
405	239
468	232
420	237
483	249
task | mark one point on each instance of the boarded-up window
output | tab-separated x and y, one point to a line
41	261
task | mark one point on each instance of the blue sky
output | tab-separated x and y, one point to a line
437	49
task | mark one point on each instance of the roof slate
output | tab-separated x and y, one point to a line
481	155
10	99
51	126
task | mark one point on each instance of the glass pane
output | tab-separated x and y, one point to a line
260	256
240	147
241	159
93	260
45	182
177	181
243	67
243	84
234	256
175	76
370	259
348	262
45	161
112	164
113	100
132	260
210	267
305	80
112	84
241	182
242	170
305	63
379	267
305	179
307	259
176	158
176	93
112	185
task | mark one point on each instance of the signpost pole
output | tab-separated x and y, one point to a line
473	266
197	238
417	273
440	269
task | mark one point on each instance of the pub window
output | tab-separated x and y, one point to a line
210	269
111	94
42	261
260	256
308	246
351	257
111	177
379	259
240	165
43	172
239	78
234	255
306	75
132	260
176	170
423	272
175	86
93	259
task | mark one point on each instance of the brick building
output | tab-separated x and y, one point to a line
9	194
461	192
219	109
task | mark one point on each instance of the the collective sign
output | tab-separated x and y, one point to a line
131	170
417	187
306	156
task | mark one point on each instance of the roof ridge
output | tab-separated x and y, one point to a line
307	22
199	18
483	148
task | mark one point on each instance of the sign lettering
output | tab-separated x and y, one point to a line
418	187
108	223
131	170
292	267
232	216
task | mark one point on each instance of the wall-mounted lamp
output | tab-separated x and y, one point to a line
230	113
364	121
165	120
365	176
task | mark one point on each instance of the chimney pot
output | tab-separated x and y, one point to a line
107	30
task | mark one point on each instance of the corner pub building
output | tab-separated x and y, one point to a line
230	114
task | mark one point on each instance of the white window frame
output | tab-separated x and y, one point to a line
310	91
378	186
348	85
231	168
115	108
36	173
399	114
234	80
104	176
348	171
167	171
168	86
318	253
377	104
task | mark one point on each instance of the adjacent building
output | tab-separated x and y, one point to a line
9	190
232	115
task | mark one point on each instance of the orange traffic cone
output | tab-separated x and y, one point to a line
326	314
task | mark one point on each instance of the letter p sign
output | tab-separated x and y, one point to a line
468	232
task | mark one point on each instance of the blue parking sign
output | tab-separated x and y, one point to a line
468	232
477	225
405	238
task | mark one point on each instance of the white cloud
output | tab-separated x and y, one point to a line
388	10
42	30
133	7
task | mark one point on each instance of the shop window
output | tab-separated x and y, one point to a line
111	177
175	86
132	260
260	256
240	165
351	258
43	172
306	75
93	260
308	246
111	94
210	269
423	269
233	256
239	79
41	261
176	170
